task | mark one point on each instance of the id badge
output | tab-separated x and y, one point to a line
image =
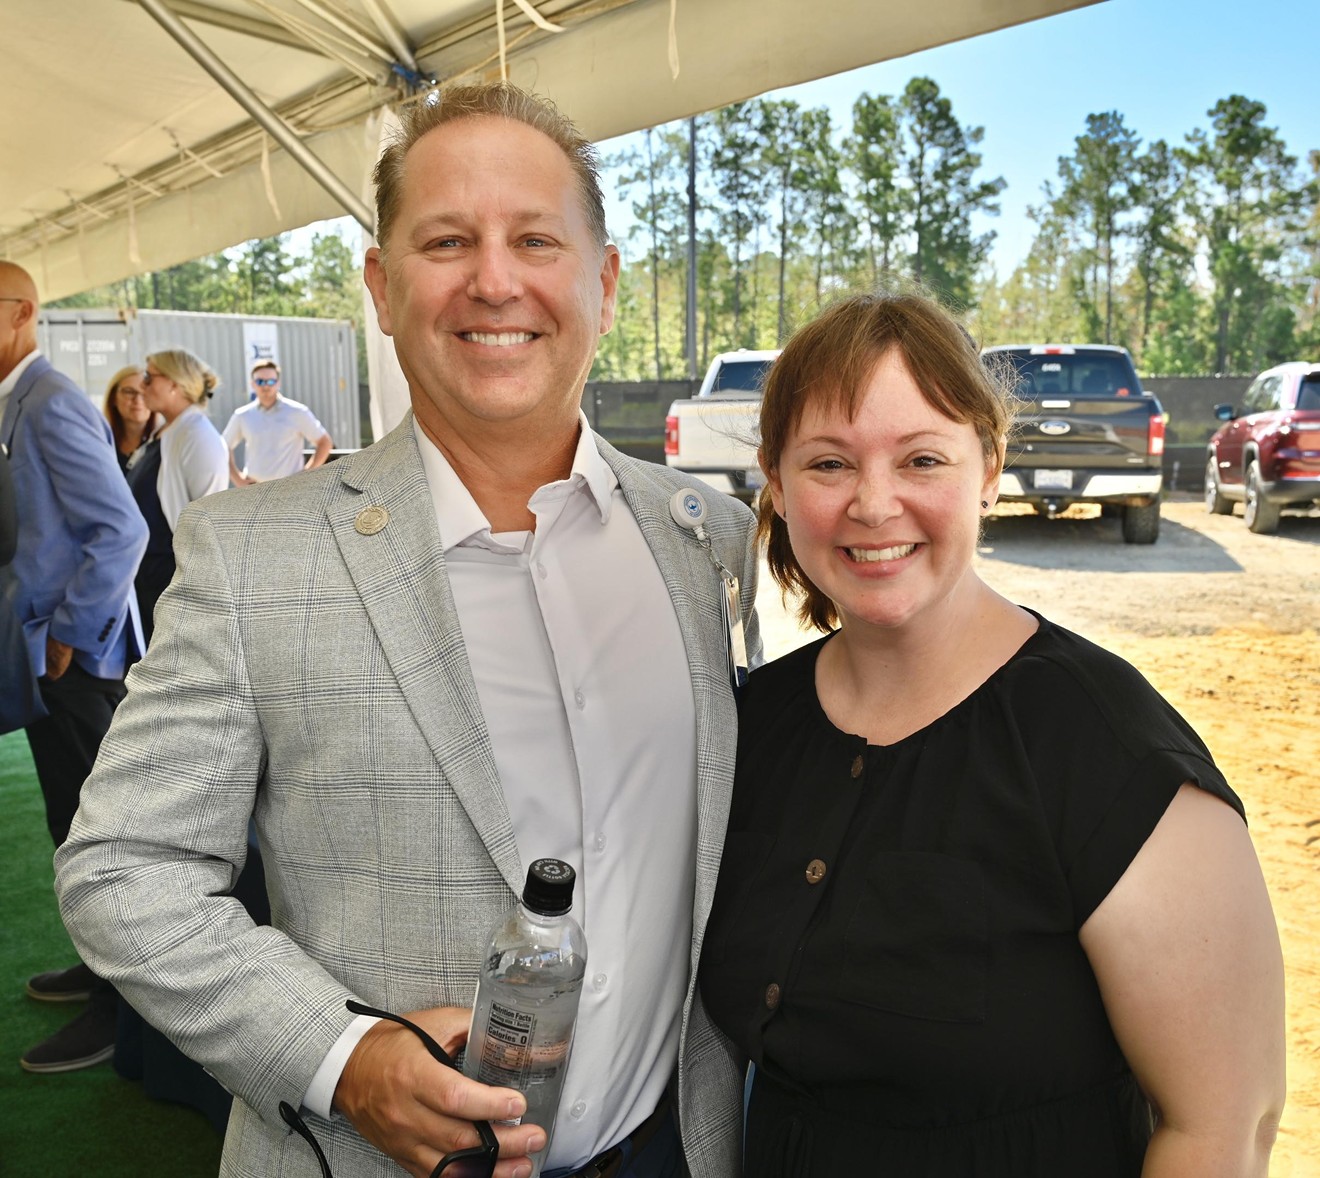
733	629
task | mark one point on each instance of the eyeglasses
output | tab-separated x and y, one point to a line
265	381
133	394
476	1162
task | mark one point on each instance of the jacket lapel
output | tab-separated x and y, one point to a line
385	527
14	404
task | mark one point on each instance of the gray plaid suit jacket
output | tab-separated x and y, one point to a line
316	679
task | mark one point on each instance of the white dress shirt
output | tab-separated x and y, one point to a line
274	437
10	382
584	684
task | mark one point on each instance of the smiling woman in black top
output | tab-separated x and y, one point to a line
987	907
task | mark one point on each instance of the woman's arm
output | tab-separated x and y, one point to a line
1187	956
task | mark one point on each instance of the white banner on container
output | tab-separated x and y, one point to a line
261	341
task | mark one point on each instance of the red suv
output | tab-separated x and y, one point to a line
1267	456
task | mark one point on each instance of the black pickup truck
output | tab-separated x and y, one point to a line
1086	433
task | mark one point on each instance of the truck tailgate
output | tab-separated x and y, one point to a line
1083	432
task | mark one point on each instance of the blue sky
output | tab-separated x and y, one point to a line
1161	63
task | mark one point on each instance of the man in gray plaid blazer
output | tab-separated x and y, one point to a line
482	640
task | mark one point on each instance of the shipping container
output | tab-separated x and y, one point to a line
317	357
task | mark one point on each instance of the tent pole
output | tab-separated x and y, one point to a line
279	130
389	29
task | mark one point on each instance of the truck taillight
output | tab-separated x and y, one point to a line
1155	437
671	435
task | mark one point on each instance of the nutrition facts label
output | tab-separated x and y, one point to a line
506	1055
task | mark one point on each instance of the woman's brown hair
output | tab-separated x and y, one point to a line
826	366
111	406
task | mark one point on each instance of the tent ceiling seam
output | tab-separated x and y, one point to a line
349	98
340	21
320	41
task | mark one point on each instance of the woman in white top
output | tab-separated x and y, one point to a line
184	461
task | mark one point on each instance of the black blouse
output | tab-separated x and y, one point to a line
894	936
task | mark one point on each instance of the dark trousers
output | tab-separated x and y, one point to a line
64	744
660	1157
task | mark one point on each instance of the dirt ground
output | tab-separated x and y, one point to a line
1227	625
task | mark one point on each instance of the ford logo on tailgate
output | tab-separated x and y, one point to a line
1055	428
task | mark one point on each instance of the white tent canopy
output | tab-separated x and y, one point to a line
122	154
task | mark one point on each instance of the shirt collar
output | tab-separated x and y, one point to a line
461	520
10	382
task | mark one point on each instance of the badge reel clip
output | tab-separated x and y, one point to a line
689	511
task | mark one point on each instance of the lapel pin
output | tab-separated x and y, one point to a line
371	520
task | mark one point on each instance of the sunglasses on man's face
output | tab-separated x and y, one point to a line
477	1162
265	381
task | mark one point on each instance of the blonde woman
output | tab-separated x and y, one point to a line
184	461
125	407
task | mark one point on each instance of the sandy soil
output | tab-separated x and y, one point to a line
1227	626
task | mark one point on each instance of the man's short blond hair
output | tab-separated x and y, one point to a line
499	100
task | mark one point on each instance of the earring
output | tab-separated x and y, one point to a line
985	503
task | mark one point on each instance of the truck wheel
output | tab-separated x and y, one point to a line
1215	503
1262	516
1141	525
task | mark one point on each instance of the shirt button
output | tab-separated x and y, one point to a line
599	841
857	765
579	1110
540	570
772	995
599	982
815	871
579	699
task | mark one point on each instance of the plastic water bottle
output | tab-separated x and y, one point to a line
527	997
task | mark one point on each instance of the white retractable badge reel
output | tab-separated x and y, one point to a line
688	509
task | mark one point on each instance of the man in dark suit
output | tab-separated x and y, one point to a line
79	540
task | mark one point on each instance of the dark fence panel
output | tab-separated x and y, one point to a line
631	415
1190	404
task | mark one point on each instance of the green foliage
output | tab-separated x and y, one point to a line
1247	203
1203	257
1199	258
872	151
1096	189
783	207
943	192
259	277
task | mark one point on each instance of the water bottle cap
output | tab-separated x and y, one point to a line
549	887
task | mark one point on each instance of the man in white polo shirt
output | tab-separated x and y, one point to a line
274	429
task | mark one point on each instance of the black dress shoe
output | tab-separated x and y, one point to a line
62	985
83	1043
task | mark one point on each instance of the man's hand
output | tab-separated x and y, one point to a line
416	1110
58	658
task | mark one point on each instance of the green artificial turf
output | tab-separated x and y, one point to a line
88	1122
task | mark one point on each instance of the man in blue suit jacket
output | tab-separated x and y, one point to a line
80	538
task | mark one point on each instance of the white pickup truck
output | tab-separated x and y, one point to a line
713	435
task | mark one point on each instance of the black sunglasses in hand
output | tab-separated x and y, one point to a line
475	1162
